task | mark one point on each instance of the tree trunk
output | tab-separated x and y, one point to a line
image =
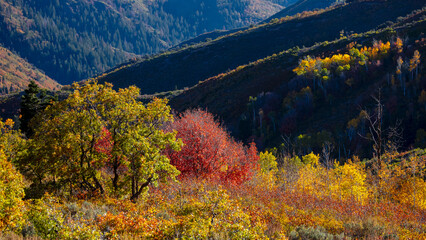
141	188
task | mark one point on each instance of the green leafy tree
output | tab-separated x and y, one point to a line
103	141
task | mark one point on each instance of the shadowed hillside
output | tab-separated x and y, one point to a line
187	66
301	6
290	105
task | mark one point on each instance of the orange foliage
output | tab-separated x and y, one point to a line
16	73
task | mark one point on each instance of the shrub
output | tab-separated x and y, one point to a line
310	233
209	151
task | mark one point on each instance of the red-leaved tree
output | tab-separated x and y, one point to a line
209	151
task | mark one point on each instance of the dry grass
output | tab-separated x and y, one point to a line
12	236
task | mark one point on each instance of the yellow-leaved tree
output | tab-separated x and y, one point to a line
11	181
311	176
267	176
348	181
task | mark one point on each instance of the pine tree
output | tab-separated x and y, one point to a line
33	101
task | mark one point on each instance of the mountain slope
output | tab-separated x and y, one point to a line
16	74
301	6
187	66
71	40
291	9
266	101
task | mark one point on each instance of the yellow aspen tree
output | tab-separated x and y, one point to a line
399	63
398	45
349	182
311	176
414	64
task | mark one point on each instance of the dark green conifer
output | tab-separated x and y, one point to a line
33	101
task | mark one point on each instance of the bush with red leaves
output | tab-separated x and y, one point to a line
210	152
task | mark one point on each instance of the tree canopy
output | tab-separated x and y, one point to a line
103	141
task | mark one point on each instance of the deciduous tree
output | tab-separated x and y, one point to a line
102	140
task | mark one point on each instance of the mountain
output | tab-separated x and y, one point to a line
71	40
187	66
16	73
267	101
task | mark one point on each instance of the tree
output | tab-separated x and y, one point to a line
327	149
349	181
399	45
399	72
414	64
311	174
422	98
376	135
11	181
101	140
209	151
420	141
268	166
11	194
33	101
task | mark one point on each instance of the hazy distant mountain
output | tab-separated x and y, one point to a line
71	40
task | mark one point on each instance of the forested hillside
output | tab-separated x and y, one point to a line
72	40
185	67
16	74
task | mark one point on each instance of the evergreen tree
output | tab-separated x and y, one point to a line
33	101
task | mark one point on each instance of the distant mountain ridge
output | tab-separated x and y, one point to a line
71	40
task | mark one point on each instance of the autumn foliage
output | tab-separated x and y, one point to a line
225	190
11	181
209	151
99	140
11	194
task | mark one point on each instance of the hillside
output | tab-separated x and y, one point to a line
16	74
71	40
266	100
301	6
292	9
185	67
